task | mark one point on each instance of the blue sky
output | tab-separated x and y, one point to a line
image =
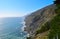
18	8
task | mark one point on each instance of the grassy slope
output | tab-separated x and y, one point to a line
54	28
43	35
55	25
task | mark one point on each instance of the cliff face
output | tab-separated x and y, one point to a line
38	18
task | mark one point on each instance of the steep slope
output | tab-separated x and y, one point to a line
55	23
36	19
54	31
35	22
43	35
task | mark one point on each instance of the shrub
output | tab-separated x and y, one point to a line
28	37
43	28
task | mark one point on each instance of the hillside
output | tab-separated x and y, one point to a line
44	23
35	22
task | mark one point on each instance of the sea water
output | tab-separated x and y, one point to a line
11	28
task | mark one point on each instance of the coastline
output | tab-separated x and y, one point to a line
23	28
37	19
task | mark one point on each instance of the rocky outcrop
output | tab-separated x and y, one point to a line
39	18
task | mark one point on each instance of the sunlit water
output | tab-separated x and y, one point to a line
11	28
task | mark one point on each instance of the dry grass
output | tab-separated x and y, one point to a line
42	35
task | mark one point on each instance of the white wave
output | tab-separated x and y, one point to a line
23	26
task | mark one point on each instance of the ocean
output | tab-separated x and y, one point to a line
12	28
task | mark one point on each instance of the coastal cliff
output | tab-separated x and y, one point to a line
35	22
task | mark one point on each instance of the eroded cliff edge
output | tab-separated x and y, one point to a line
38	18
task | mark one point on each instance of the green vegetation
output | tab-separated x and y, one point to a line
58	9
55	25
28	37
43	28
